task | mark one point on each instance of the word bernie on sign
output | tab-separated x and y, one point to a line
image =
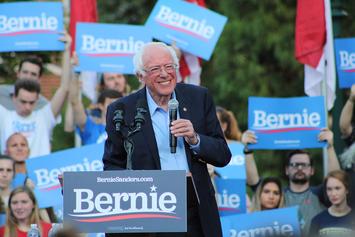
14	24
272	120
101	45
347	61
113	203
199	28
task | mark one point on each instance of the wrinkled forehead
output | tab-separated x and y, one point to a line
155	53
6	163
16	138
300	158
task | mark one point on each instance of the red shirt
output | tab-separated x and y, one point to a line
45	229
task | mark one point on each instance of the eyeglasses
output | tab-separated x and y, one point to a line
297	165
169	68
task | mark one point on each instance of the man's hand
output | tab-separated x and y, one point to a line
184	128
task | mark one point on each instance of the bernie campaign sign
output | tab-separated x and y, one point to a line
192	28
345	61
31	26
236	167
109	47
270	223
286	123
231	196
126	201
44	170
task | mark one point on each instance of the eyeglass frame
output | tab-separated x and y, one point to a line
149	70
296	165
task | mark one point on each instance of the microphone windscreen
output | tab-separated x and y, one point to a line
173	104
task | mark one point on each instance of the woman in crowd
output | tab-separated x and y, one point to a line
7	173
18	151
338	220
228	124
268	195
232	134
17	148
268	191
22	212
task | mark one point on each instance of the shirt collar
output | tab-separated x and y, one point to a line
151	103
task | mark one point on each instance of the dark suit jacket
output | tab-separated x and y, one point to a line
196	105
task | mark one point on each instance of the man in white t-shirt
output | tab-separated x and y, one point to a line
35	125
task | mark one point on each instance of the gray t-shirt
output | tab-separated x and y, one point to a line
309	205
6	92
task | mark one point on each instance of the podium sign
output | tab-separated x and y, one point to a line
126	201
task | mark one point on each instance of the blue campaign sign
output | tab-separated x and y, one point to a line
109	47
31	26
126	201
231	196
236	167
2	219
44	170
286	123
194	29
277	222
345	61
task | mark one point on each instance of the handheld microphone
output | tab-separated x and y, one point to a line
173	106
141	109
118	115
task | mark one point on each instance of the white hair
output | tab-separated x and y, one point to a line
138	57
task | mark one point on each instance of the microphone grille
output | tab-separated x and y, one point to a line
173	104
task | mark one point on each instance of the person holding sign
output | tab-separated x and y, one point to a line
22	212
299	169
91	129
199	136
31	67
347	128
338	220
36	124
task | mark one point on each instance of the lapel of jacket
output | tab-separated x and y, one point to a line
148	132
185	113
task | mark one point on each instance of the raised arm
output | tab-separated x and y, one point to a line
76	104
327	135
253	178
347	113
60	95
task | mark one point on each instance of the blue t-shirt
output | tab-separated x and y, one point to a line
92	133
19	180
